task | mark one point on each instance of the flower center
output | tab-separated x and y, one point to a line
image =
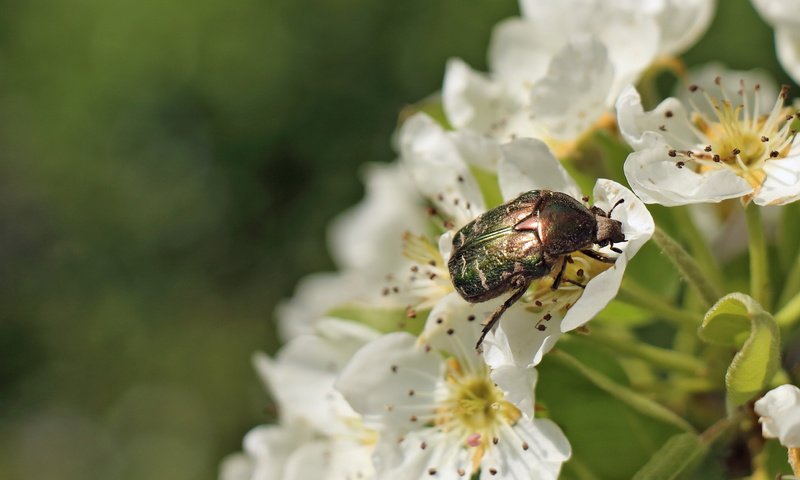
474	408
578	271
736	136
428	279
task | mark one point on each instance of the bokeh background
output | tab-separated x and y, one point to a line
167	170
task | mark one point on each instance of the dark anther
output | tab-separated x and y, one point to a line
764	138
672	153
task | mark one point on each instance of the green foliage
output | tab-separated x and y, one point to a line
674	459
736	320
609	437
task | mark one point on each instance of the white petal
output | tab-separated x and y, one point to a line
655	178
787	43
367	236
314	295
529	165
518	384
477	150
780	414
406	459
334	459
446	245
682	23
782	184
439	169
669	114
454	326
381	380
778	12
547	449
575	92
236	466
301	378
518	342
270	446
471	100
616	29
520	50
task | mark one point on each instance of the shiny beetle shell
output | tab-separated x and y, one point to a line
509	246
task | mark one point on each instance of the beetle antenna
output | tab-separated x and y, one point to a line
621	200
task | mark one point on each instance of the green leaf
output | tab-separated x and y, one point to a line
633	399
739	321
677	456
595	422
384	320
622	314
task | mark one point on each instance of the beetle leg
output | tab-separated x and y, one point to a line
577	284
560	274
489	325
598	256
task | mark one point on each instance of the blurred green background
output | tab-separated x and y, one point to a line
167	170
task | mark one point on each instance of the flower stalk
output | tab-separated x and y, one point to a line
687	266
759	263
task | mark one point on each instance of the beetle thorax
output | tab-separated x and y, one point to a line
609	231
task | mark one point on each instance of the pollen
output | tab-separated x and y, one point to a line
736	136
474	409
429	279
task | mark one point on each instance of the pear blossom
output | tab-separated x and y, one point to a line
439	413
724	227
779	415
686	156
318	435
784	17
556	71
530	327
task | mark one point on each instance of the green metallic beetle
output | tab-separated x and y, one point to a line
508	247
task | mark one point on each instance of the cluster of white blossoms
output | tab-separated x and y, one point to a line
379	376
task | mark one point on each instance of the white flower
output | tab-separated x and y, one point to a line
685	157
555	72
680	22
440	163
573	93
318	435
267	449
440	414
365	241
779	412
784	16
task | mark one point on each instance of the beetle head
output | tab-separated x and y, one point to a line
609	231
